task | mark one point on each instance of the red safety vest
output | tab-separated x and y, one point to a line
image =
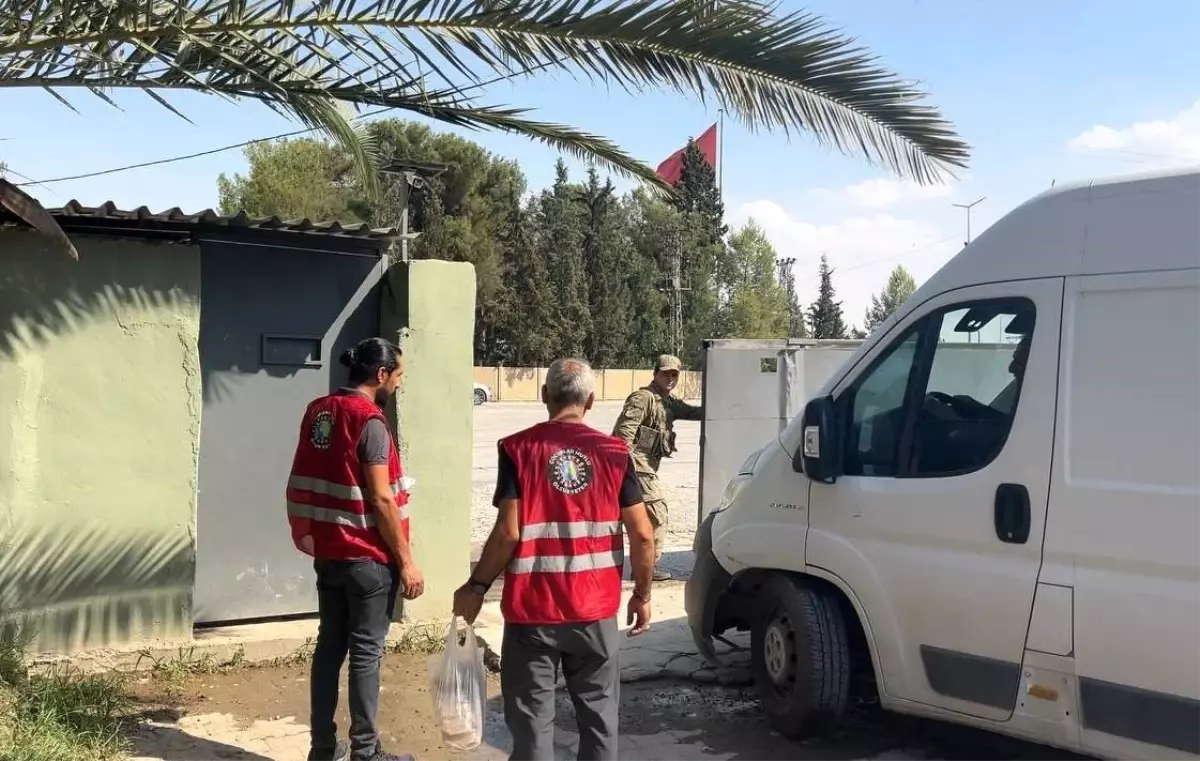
568	564
326	509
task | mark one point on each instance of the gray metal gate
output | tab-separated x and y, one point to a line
272	324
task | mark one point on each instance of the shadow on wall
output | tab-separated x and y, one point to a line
106	373
100	396
47	298
85	585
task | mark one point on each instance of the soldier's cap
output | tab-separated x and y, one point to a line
668	362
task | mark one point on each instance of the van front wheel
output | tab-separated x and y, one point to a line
800	656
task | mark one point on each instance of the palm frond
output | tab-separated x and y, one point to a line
446	108
784	72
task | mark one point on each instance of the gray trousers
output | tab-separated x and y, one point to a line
529	662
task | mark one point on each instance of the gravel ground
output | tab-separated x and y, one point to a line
680	475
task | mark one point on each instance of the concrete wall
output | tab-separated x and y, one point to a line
524	384
101	391
99	435
429	307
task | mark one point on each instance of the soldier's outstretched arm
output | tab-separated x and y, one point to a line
630	419
681	410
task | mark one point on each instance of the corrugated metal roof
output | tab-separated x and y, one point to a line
108	217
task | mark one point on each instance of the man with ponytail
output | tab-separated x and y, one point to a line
347	508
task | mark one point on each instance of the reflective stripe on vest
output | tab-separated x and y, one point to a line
333	515
330	489
545	562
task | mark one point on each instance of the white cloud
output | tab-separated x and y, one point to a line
1173	141
862	249
882	193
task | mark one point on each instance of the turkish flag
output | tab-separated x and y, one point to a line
671	169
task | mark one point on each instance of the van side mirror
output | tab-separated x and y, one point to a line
819	453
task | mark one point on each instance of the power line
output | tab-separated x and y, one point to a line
910	252
7	168
255	141
184	157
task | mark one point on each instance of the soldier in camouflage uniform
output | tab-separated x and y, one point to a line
647	426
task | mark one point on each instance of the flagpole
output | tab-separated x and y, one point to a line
721	152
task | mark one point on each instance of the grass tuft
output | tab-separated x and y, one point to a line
421	639
176	669
59	714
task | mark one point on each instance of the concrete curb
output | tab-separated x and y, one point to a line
243	645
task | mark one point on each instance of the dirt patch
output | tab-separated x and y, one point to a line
273	693
662	718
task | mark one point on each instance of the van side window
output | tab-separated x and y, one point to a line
941	400
974	380
876	412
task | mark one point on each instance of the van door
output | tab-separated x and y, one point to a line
936	521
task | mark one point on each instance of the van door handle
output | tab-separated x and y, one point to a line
1012	513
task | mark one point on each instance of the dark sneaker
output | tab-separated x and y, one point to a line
339	753
382	755
662	574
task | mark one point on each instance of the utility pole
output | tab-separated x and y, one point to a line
968	207
674	290
783	269
786	274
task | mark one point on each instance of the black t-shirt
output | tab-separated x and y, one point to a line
508	486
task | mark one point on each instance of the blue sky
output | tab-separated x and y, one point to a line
1043	90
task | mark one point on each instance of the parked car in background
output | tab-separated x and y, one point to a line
483	394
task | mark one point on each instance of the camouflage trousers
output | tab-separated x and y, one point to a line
657	510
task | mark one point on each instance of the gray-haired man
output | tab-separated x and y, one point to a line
564	492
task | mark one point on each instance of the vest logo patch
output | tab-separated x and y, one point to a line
569	471
321	430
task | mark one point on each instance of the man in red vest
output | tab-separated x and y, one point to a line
564	492
348	509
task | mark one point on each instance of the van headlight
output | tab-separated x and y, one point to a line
732	490
738	482
748	467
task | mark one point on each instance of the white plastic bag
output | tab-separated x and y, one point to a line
458	684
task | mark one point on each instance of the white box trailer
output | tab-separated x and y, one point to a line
751	389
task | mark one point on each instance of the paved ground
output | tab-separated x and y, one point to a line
679	474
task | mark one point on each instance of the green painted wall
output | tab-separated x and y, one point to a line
99	436
429	308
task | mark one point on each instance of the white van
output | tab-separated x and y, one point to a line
990	514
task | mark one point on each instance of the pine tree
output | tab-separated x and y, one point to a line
755	305
699	194
653	226
900	287
787	280
528	334
560	243
825	314
606	253
701	232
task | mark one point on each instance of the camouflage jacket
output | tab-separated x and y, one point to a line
647	425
